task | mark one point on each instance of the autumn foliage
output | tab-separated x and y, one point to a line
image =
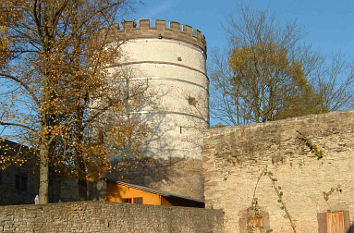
268	73
58	95
272	86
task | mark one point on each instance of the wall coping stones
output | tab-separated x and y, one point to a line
217	131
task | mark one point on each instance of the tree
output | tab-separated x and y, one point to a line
58	91
268	74
269	85
7	8
332	78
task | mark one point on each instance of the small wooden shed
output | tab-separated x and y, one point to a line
122	192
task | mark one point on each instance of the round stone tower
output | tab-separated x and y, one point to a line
172	60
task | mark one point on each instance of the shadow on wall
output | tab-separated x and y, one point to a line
162	166
175	175
351	229
142	171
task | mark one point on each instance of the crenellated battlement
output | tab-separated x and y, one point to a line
175	31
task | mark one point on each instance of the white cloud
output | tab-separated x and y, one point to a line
160	8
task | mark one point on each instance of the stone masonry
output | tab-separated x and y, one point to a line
170	61
234	158
108	217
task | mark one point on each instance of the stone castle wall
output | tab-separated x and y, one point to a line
108	218
234	158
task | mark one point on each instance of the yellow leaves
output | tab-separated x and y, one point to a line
9	15
267	56
268	84
23	120
263	61
68	71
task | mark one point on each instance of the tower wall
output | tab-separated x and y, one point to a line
172	60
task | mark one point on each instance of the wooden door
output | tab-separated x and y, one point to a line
335	222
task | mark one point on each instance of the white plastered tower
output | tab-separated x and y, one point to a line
172	60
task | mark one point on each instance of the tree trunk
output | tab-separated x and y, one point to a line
43	174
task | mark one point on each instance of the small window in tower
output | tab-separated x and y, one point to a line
180	129
192	101
179	58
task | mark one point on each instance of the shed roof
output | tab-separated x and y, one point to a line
162	193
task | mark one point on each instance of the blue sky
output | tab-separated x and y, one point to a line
328	24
